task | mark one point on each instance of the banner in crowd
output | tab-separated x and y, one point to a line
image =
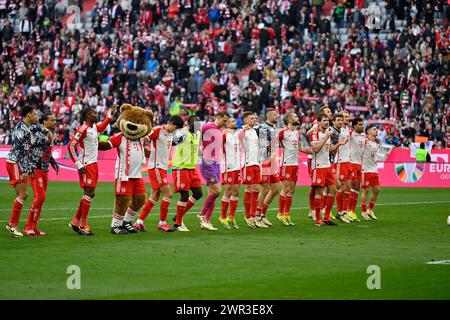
398	170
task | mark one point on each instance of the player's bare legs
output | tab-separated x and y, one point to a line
137	201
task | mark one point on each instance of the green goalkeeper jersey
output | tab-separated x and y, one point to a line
186	153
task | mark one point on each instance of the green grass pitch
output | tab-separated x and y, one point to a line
301	262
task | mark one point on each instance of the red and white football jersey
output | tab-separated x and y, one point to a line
315	126
320	159
230	151
87	138
369	159
160	146
357	142
289	140
250	143
343	152
130	157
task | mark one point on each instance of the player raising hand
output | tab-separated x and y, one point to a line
86	138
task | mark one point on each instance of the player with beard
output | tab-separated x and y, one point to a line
289	138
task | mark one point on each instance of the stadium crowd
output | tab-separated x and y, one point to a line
184	57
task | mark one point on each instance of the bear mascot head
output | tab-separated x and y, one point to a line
134	122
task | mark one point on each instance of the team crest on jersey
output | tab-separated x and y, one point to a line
89	181
229	179
319	180
165	180
367	183
123	189
287	175
40	180
182	185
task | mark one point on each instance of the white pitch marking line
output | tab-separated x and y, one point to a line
197	212
439	262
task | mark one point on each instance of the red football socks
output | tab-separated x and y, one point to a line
233	206
329	205
148	206
225	205
282	202
164	209
247	201
288	204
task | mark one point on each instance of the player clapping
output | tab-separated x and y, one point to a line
357	140
343	171
231	174
322	175
251	172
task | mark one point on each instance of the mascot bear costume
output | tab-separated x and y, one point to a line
135	124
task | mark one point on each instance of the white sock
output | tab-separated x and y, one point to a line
161	223
117	220
139	221
129	215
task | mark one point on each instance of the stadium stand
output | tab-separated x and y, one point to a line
388	65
